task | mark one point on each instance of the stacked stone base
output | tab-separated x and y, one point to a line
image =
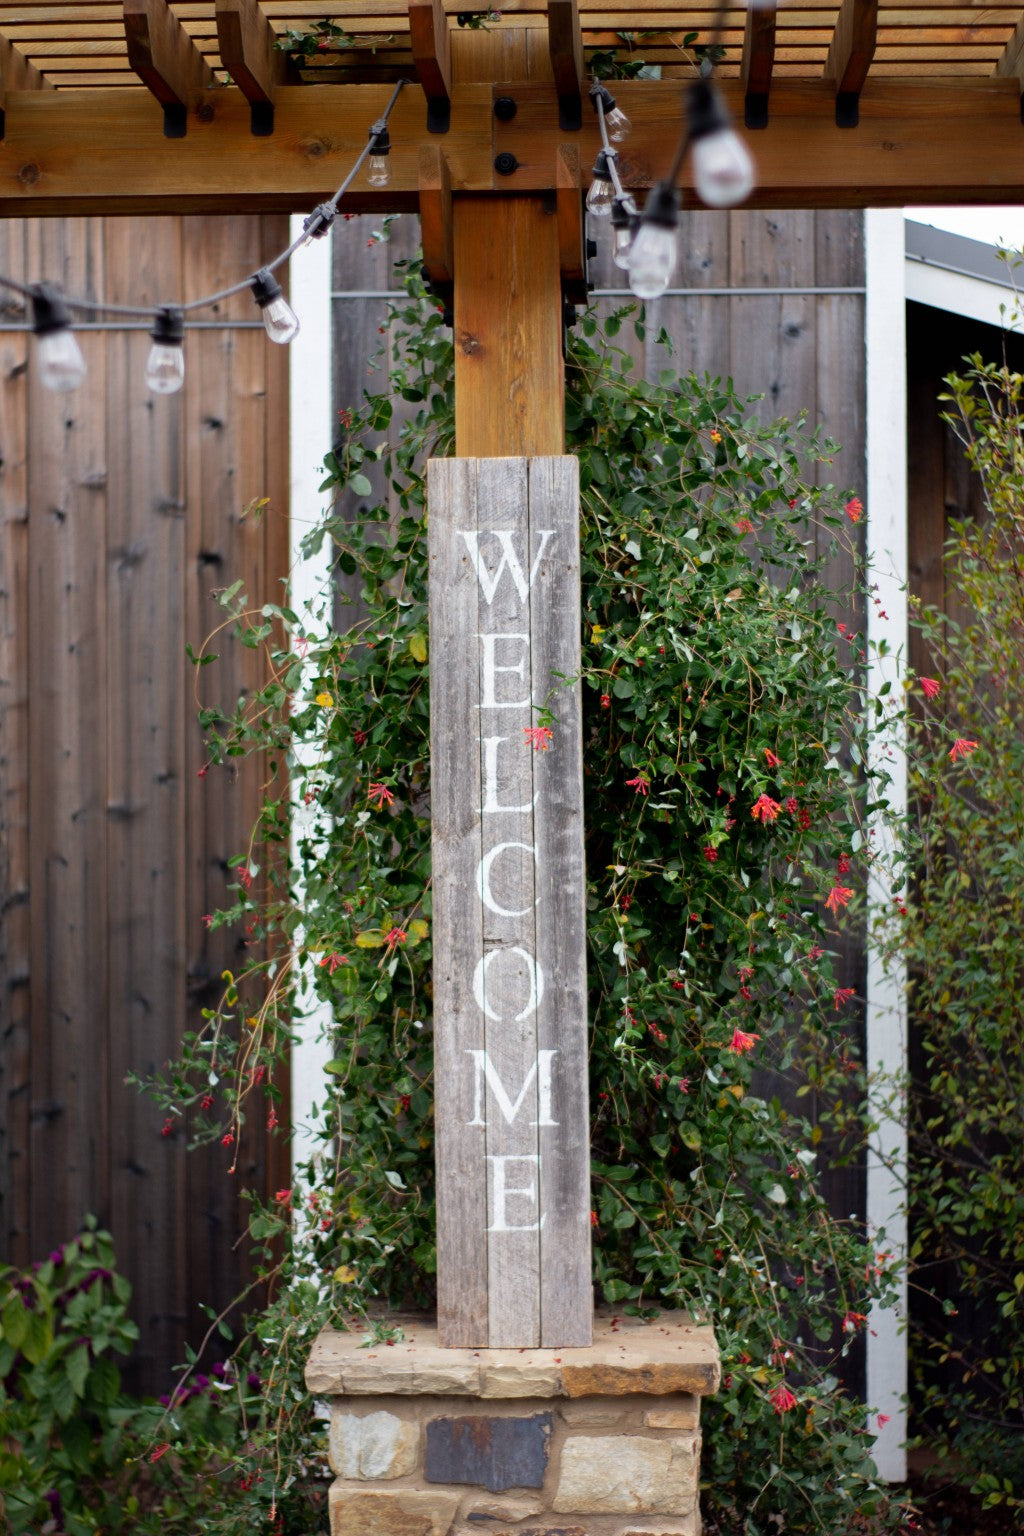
603	1441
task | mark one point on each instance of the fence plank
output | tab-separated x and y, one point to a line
458	913
566	1312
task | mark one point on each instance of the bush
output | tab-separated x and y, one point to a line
961	937
725	798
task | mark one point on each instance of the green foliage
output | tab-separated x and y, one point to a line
962	940
725	796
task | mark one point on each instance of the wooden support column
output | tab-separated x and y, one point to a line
509	371
166	60
249	53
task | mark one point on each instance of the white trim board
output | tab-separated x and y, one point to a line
886	1044
961	276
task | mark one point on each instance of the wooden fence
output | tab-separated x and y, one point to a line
120	514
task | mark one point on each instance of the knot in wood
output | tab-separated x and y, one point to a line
29	174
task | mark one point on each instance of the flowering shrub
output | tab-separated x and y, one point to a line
721	824
961	936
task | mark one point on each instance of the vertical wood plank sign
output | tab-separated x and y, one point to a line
512	1124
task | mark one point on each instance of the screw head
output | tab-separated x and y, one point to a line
506	163
505	109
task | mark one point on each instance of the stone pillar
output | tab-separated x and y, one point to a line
601	1441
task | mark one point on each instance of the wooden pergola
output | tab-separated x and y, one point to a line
144	107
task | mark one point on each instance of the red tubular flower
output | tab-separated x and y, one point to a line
640	785
961	748
380	795
838	896
771	759
930	686
765	809
711	854
842	995
782	1399
395	936
539	736
741	1042
854	509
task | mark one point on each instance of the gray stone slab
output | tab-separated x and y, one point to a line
493	1453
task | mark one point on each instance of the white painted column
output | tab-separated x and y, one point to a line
886	1056
311	598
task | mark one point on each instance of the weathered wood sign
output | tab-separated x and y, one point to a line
513	1224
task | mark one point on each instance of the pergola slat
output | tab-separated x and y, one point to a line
565	43
16	74
849	58
758	60
249	53
165	59
432	55
1010	64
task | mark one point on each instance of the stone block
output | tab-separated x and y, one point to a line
495	1453
596	1410
614	1378
372	1445
488	1512
512	1375
688	1526
686	1416
627	1474
519	1530
390	1512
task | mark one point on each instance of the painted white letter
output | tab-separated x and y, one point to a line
490	805
509	561
480	983
483	880
491	669
500	1193
487	1074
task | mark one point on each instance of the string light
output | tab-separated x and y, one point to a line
723	172
617	122
165	367
602	192
280	321
652	256
379	168
61	364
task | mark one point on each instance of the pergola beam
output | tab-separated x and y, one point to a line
166	60
757	63
248	51
849	57
69	152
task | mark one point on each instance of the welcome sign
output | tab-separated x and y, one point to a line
512	1123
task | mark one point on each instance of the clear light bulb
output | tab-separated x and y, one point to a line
625	222
279	319
378	171
652	256
165	366
600	198
618	125
61	364
652	259
723	171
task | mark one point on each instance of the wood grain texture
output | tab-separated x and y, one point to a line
853	45
162	54
506	883
67	744
509	375
566	1303
247	49
436	214
15	788
565	46
431	48
462	1264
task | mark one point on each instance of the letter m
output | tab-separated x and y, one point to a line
486	1076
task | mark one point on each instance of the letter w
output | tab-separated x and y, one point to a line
485	1071
490	581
